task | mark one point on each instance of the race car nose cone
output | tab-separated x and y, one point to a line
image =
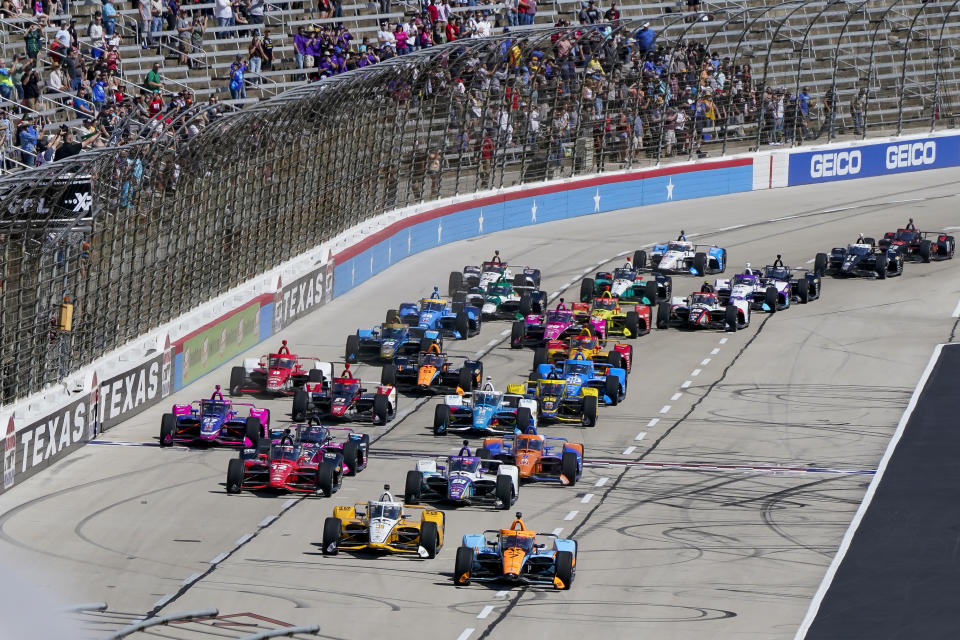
388	349
426	375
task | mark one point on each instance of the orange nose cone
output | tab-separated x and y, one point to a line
425	377
526	465
512	561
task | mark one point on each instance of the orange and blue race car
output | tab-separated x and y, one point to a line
432	372
537	458
515	556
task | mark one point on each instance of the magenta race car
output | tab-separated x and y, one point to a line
214	422
563	322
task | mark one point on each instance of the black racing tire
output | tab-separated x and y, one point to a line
392	315
326	478
616	360
426	343
234	475
611	389
458	296
587	289
526	305
455	283
253	429
301	400
663	315
639	259
430	538
870	241
820	263
723	260
463	566
352	352
650	292
770	298
882	260
539	357
504	491
315	375
463	325
730	318
924	250
568	466
565	568
168	426
484	454
352	457
524	416
517	332
466	382
590	406
388	375
804	291
331	536
264	447
413	487
633	324
238	378
381	409
700	263
441	420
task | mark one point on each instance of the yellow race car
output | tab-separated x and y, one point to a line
589	346
383	526
619	320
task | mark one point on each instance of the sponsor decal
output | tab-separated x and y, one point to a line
302	296
201	352
129	393
50	438
9	455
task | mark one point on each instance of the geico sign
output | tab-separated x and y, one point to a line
913	154
840	163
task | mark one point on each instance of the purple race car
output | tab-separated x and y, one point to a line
557	324
215	421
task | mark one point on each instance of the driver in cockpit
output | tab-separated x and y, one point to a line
682	237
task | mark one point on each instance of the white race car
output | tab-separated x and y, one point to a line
704	310
490	272
683	256
464	479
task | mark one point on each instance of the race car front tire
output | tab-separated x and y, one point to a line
589	418
234	475
587	288
463	566
331	536
483	453
730	318
413	487
430	538
253	429
352	352
568	467
463	325
392	315
238	378
326	479
388	375
650	292
352	457
882	261
539	357
300	401
639	259
663	315
524	417
820	263
381	409
633	324
611	389
455	283
565	569
504	491
616	360
770	299
168	425
804	292
526	305
700	263
517	332
441	420
467	381
924	250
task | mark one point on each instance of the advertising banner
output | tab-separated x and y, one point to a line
215	345
303	295
129	393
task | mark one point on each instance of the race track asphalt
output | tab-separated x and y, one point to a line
795	411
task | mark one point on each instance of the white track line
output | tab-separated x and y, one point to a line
501	594
695	373
867	498
665	408
493	343
266	521
686	384
571	515
629	450
243	540
705	362
558	531
587	497
715	352
676	397
811	260
162	601
487	610
193	578
219	558
641	435
505	332
736	226
288	503
723	341
956	312
653	422
602	481
466	633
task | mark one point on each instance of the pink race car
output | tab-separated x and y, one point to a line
561	323
215	421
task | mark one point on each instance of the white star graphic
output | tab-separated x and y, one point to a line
480	220
596	201
409	240
670	186
371	263
439	232
353	273
533	211
390	253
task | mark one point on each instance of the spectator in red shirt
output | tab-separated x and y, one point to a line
433	11
453	29
156	105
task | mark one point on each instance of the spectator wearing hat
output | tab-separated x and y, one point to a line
612	14
238	68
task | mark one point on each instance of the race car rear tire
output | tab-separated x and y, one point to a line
539	357
253	429
804	291
483	453
633	324
352	352
326	478
331	536
392	315
352	457
168	425
730	318
524	417
700	263
589	417
413	487
430	538
234	475
650	292
455	283
924	250
723	260
611	389
314	375
820	263
504	491
565	568
616	360
300	401
463	325
458	296
517	332
388	375
466	382
587	288
568	466
441	420
882	261
526	305
770	299
663	315
426	343
238	377
869	241
463	566
639	259
381	409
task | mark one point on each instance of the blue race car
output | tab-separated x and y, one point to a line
610	382
536	459
455	319
486	411
862	258
386	341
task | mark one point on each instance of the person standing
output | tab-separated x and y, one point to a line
857	106
256	55
238	89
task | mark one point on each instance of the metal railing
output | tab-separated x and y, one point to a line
134	236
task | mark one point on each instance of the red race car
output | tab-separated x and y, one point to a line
346	398
279	373
922	246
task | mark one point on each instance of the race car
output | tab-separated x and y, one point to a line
771	289
277	373
300	459
556	402
922	246
537	457
386	341
486	411
383	526
432	371
578	373
556	324
862	258
621	356
703	310
214	421
619	321
683	256
463	479
489	272
454	319
514	556
629	284
504	300
346	398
